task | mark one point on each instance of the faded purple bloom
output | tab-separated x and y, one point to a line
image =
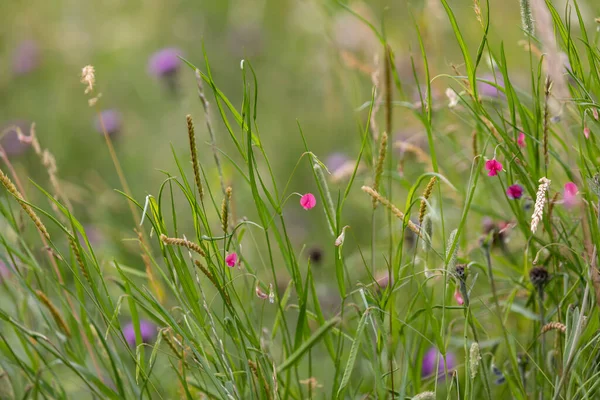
164	62
26	57
10	140
112	122
94	236
488	90
4	271
430	361
147	331
335	161
514	192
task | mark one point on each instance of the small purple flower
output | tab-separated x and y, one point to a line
10	141
147	330
164	62
514	192
111	119
26	57
487	90
430	360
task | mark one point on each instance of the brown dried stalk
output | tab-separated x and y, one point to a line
385	202
194	153
225	209
379	165
183	243
553	326
426	195
9	185
79	259
55	313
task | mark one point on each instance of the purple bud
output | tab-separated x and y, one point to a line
10	141
164	62
430	361
514	192
111	119
147	331
26	57
488	90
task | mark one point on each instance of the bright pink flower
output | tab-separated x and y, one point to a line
231	259
308	201
514	192
586	132
458	297
570	194
521	140
493	166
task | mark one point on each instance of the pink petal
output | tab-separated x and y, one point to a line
459	299
521	140
231	259
586	132
308	201
570	194
493	166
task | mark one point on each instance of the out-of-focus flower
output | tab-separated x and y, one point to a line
383	280
340	166
10	142
521	140
147	331
514	192
4	271
26	57
111	119
231	259
430	360
308	201
458	297
493	166
452	98
586	132
488	90
164	62
570	193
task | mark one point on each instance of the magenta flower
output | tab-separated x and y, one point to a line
570	195
164	62
308	201
493	166
430	361
521	140
231	259
112	122
514	192
26	57
147	331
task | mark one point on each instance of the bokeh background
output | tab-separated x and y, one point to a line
315	63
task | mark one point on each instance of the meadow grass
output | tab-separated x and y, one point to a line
227	305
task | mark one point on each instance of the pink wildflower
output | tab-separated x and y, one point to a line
493	166
308	201
231	259
458	297
521	140
514	192
586	132
570	195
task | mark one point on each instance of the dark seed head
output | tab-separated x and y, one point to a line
460	271
315	255
539	277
